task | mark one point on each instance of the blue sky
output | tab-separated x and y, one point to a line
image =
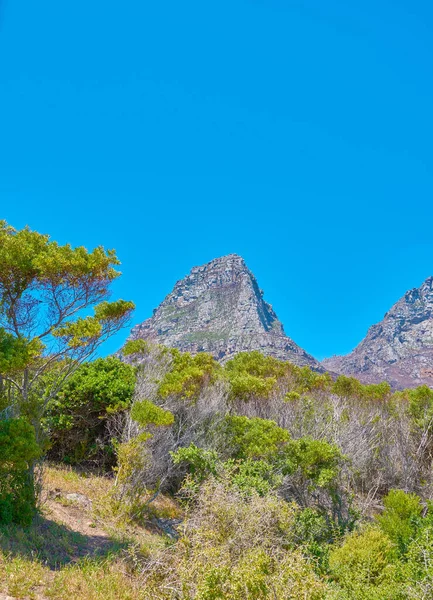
297	134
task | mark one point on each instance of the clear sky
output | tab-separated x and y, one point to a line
298	134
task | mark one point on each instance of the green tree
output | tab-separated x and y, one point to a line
46	293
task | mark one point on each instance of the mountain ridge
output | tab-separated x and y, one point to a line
219	308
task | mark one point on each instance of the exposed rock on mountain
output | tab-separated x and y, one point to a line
399	349
219	308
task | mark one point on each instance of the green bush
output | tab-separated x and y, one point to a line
145	413
201	463
349	387
315	534
235	547
401	517
316	460
133	458
18	451
76	419
420	405
366	567
253	438
259	457
248	476
252	375
188	375
253	476
417	569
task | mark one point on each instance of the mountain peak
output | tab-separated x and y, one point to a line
229	263
428	284
219	308
398	349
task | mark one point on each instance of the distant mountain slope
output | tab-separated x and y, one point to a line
399	349
219	308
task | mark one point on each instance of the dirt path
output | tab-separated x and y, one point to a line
79	520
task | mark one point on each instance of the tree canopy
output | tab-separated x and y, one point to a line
47	291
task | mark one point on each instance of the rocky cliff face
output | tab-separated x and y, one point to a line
399	349
219	308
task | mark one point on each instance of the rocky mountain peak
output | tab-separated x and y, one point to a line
399	349
219	308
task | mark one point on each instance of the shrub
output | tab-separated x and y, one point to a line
188	375
400	519
253	476
146	413
417	570
202	463
251	374
138	347
18	451
78	416
365	566
314	533
235	547
420	405
318	461
347	387
254	438
247	475
134	457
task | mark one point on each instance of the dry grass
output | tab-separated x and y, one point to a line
54	561
74	552
23	577
92	580
72	481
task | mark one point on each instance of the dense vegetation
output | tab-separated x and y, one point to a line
46	332
292	484
287	483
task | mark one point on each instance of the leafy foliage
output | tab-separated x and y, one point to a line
44	290
135	347
251	374
318	461
401	517
349	387
365	566
202	463
235	547
420	407
76	419
188	375
279	470
18	450
254	437
146	413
